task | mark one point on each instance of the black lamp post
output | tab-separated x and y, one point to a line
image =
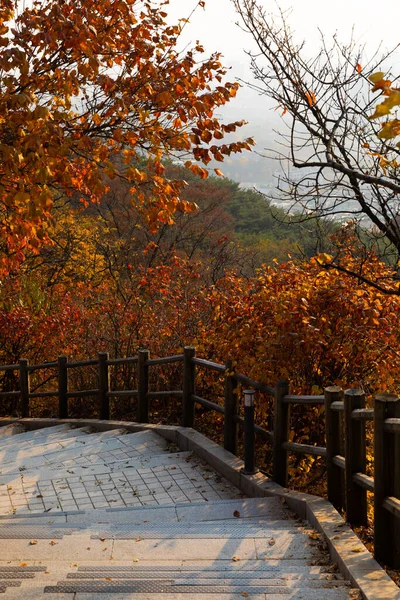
249	466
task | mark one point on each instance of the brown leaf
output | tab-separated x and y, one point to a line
235	559
236	514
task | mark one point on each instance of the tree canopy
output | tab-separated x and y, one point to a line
81	82
345	158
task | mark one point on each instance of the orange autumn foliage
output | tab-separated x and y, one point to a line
391	127
295	321
82	82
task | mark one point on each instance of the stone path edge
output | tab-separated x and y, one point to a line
354	561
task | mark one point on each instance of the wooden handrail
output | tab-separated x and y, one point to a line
9	367
345	423
290	399
123	361
209	364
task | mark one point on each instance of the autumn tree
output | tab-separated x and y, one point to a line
337	159
81	82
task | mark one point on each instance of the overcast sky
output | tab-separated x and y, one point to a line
215	27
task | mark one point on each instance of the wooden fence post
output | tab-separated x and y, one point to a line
24	386
333	434
143	387
356	458
281	434
104	386
189	375
62	387
386	481
230	427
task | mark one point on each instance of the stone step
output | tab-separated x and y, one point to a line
6	431
189	543
22	593
170	587
50	433
183	481
63	433
215	511
80	451
171	531
96	465
255	568
63	544
206	530
15	453
92	464
255	578
104	435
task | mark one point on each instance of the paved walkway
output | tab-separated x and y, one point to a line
127	516
51	471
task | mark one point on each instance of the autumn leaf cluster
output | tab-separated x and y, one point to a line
84	82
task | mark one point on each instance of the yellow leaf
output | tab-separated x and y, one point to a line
324	259
380	111
375	77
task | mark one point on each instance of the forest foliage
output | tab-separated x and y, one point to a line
114	238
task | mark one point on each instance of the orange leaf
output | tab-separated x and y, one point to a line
311	99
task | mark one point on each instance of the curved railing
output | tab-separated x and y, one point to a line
345	429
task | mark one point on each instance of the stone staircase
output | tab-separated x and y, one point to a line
121	515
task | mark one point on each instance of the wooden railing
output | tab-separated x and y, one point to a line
345	430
